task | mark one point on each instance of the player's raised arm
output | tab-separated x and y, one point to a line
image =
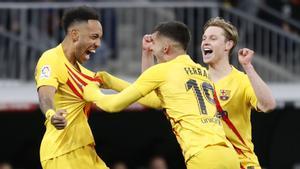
266	101
147	55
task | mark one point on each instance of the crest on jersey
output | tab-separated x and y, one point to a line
45	72
224	94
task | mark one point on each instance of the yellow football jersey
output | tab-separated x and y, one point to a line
187	97
186	94
54	69
237	98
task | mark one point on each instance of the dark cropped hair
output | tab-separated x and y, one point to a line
176	31
79	14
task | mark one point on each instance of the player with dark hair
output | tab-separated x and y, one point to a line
185	93
68	142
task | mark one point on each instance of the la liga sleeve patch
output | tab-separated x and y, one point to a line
45	72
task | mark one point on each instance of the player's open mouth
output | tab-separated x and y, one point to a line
207	51
89	52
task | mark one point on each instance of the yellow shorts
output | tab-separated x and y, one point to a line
81	158
214	157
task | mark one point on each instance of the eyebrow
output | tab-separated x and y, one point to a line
95	34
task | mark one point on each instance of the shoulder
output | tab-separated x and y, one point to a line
158	68
242	78
49	62
49	56
239	74
154	73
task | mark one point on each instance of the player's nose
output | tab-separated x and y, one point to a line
97	43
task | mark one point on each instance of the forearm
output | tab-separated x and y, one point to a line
46	95
113	102
147	60
46	104
266	101
151	100
117	84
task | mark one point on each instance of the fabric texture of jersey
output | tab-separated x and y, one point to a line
87	155
186	94
237	98
214	157
53	69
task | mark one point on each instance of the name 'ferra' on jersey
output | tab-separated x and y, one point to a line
195	71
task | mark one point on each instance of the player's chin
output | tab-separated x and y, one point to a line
84	58
207	59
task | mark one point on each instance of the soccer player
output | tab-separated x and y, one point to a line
186	94
237	92
68	142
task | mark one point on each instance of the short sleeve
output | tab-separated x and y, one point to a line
250	94
45	72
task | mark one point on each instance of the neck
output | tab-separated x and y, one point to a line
68	51
219	69
174	54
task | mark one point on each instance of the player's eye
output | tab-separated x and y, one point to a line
213	38
94	37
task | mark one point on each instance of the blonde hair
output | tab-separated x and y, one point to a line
230	31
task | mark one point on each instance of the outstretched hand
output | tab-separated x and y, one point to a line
245	56
105	79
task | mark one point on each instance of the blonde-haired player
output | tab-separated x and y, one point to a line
237	92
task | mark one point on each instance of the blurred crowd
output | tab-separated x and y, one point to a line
288	10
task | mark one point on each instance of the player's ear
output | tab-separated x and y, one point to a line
229	45
74	35
167	48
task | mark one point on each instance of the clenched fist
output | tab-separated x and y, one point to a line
58	120
245	56
147	42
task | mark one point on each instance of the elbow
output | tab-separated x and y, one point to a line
269	106
157	106
113	109
152	106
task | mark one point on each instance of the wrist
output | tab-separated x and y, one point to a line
146	53
247	67
49	113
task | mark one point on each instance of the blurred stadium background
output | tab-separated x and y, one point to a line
270	27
